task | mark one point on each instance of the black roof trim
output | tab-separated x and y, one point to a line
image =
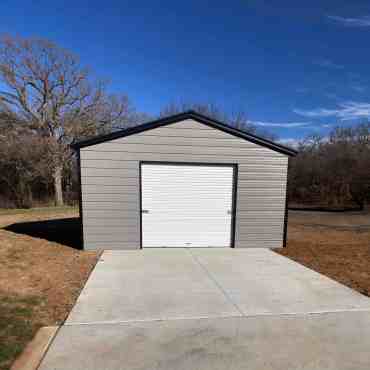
182	116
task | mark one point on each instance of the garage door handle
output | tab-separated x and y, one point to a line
144	211
229	212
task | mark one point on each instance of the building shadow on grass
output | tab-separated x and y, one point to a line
66	231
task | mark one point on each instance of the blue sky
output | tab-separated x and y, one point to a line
294	68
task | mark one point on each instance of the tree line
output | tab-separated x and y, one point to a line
332	171
49	100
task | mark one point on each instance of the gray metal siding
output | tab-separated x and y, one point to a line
110	183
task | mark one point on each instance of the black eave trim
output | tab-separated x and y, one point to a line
80	200
182	116
203	164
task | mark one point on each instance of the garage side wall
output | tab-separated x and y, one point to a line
111	193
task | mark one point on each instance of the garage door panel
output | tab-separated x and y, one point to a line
173	231
186	205
187	209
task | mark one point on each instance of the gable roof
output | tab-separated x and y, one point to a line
183	116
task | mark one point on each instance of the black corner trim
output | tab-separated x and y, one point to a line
285	232
80	199
140	207
182	116
234	205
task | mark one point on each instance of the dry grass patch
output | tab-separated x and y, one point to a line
336	245
39	279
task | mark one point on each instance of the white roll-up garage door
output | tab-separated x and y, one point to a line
186	205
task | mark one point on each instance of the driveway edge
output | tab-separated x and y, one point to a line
35	350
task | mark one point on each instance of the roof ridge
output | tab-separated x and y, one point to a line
199	117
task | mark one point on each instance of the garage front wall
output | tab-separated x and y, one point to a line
110	183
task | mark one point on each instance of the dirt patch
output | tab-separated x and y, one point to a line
39	279
336	245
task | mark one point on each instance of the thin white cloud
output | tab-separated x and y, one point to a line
327	63
315	113
358	88
345	111
292	142
363	21
280	124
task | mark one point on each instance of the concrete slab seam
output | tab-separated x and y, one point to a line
215	282
311	313
153	320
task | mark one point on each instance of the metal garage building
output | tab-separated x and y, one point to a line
182	181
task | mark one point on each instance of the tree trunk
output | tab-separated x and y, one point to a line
58	192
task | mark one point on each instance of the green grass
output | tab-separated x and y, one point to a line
45	210
16	327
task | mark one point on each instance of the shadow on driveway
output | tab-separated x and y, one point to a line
66	231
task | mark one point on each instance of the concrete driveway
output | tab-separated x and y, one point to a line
211	309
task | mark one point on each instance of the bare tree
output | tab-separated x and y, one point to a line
47	88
